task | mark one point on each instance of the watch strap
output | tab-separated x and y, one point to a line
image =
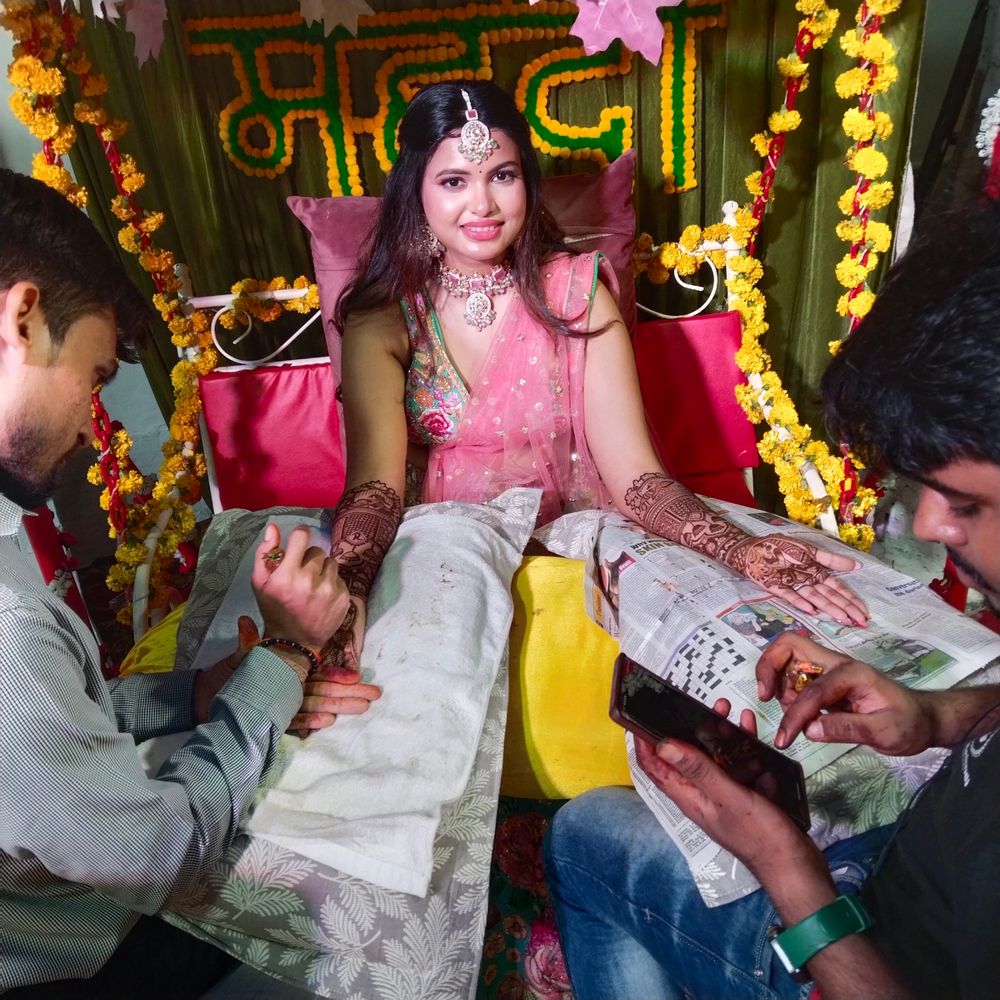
796	945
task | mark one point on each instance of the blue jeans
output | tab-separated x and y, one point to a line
632	922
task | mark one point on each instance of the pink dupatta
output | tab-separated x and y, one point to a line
523	420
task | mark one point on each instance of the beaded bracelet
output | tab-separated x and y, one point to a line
298	647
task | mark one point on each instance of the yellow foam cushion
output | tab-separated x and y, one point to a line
559	739
155	651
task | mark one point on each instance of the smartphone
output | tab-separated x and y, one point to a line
652	708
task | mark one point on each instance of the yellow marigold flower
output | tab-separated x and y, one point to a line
668	255
850	43
753	184
883	125
89	114
811	7
644	243
96	85
133	182
94	476
850	231
154	260
63	140
129	238
761	142
868	162
130	482
784	121
878	49
690	238
879	236
120	207
851	83
748	266
151	222
121	444
860	536
792	66
858	125
887	76
77	62
842	304
883	7
112	130
850	272
861	304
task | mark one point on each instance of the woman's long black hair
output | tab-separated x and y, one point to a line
395	263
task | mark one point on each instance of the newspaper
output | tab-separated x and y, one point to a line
690	620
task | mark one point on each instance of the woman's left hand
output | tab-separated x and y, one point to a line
801	574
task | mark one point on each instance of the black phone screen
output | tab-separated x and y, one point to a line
652	707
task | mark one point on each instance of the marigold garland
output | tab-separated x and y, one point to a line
788	445
41	38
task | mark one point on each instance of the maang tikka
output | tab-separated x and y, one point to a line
476	142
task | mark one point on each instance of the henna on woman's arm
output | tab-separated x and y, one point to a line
672	511
364	525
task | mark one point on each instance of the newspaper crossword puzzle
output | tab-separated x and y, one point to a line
703	662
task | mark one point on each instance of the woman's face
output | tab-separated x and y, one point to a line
475	209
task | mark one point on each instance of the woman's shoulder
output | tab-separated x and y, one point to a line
384	326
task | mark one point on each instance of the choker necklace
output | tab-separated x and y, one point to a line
479	311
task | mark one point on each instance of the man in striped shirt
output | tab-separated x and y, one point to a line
90	846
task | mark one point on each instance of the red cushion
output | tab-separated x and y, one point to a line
687	375
274	433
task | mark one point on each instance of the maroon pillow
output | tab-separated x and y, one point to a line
594	210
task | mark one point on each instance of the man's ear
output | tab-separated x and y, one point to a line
22	324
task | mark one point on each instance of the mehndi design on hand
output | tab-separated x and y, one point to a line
364	526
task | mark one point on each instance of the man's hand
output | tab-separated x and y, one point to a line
335	691
745	823
800	574
850	702
208	683
300	593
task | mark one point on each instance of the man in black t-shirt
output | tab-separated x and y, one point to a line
916	389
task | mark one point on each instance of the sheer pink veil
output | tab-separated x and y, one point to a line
523	424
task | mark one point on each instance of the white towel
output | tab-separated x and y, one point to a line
365	795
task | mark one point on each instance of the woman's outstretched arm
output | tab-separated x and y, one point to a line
619	442
375	356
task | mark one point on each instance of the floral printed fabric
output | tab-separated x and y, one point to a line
313	926
522	959
435	393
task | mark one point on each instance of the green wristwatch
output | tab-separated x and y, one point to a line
795	946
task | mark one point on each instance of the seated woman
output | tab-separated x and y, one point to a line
480	355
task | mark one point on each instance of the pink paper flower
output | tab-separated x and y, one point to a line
635	22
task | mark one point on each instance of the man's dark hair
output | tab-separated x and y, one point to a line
917	385
45	240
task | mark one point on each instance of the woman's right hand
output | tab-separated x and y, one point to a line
342	651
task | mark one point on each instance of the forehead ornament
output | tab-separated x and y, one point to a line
476	143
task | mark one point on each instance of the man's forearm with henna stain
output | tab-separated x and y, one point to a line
672	511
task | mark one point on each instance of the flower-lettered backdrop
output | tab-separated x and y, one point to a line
247	104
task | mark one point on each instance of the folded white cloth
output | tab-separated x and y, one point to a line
365	795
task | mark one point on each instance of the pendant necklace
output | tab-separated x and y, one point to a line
476	289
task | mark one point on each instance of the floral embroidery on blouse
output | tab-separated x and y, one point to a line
435	393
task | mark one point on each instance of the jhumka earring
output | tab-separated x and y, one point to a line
430	244
476	142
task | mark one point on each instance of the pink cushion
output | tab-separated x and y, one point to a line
687	376
274	434
595	210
